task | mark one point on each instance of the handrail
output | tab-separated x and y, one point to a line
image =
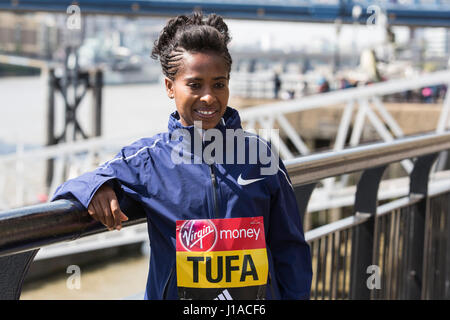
354	220
35	226
318	166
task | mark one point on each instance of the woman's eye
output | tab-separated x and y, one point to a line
194	85
219	85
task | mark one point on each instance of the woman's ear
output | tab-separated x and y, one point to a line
169	87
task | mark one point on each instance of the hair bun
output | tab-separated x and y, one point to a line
217	22
190	33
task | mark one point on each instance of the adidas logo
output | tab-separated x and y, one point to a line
225	295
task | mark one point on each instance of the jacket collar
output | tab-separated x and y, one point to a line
230	120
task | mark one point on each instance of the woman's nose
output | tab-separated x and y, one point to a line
207	97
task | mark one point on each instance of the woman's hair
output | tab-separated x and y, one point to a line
192	33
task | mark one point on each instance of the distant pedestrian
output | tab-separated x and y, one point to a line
276	85
427	95
324	86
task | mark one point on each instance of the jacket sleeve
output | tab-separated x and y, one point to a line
121	173
291	253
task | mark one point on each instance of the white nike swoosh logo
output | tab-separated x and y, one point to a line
244	182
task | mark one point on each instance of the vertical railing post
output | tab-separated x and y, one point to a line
363	234
415	256
51	139
97	102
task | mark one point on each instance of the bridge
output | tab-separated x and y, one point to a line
435	13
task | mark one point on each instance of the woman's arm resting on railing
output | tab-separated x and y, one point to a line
100	191
104	207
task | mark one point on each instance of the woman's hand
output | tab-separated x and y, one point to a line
104	207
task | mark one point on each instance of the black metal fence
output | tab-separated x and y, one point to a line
395	251
402	267
398	250
436	284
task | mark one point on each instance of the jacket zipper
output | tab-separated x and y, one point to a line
214	187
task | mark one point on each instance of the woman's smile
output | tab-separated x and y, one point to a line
206	113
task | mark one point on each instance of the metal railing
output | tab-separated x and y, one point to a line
403	239
398	250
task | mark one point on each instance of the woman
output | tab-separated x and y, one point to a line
222	225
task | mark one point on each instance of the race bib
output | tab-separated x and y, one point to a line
222	259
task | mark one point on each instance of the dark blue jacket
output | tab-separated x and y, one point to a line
145	172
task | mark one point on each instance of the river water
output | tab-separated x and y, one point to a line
121	277
127	110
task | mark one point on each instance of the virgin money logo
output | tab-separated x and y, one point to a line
198	235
